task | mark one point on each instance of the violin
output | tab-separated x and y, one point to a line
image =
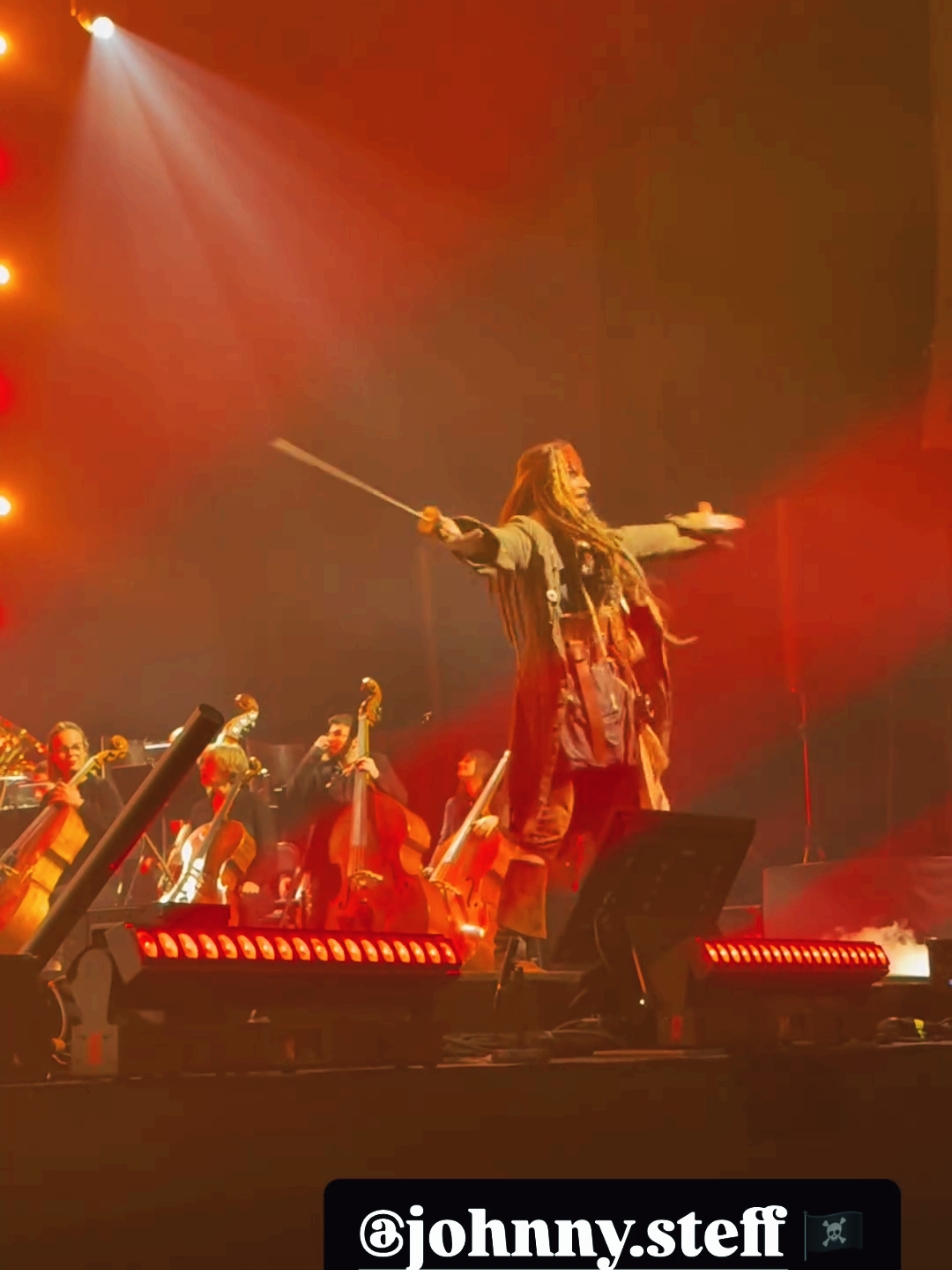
34	864
379	846
464	879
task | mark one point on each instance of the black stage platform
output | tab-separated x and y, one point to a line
228	1171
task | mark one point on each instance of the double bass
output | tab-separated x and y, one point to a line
34	864
379	846
464	880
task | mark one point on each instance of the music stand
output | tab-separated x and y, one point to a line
660	878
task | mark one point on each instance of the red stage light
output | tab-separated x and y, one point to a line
741	958
415	954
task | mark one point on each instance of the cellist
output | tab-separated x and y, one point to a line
466	872
247	872
96	800
472	771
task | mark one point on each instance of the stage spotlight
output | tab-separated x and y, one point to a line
5	275
4	45
6	507
101	28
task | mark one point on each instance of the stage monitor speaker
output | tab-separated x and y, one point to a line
664	875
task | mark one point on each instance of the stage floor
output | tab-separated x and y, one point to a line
229	1170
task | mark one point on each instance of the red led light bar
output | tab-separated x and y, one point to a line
303	950
792	958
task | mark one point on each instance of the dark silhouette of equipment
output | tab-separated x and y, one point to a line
24	1021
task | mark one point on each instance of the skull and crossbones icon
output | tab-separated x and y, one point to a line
834	1230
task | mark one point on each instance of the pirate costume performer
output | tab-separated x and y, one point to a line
592	706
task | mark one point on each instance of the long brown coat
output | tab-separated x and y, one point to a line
526	551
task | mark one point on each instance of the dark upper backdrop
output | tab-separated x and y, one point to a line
699	243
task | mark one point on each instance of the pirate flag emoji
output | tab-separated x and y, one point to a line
832	1233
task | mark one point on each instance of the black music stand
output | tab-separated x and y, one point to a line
660	878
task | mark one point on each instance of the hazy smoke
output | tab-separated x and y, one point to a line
908	958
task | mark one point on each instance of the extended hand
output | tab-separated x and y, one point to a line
707	523
66	795
485	825
435	525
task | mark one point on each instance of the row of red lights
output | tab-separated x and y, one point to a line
254	946
730	952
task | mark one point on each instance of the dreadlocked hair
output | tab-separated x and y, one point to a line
542	488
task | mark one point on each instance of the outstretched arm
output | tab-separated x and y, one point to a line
680	534
486	548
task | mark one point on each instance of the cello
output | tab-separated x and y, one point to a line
464	879
209	849
199	877
34	864
378	845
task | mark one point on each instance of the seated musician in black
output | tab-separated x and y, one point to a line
95	799
320	788
473	771
218	767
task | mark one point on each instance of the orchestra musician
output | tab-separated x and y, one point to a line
465	874
322	785
472	771
326	773
249	870
95	800
592	710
